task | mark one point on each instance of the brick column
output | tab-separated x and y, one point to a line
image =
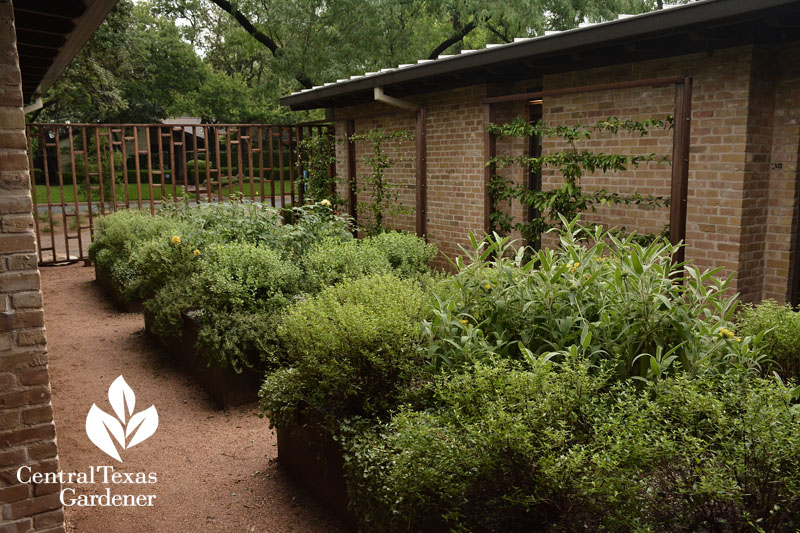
27	432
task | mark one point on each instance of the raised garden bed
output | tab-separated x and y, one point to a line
311	455
103	278
224	385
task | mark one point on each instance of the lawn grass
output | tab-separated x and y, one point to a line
69	193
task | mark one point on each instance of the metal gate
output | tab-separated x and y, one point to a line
80	171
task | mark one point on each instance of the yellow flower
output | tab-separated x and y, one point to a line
487	286
464	321
601	259
176	239
725	332
325	202
196	252
738	339
577	264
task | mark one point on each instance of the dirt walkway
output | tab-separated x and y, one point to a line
216	470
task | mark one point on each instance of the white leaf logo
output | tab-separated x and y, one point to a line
101	427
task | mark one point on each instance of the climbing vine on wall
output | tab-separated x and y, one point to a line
572	164
384	195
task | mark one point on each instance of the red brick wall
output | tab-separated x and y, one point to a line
27	433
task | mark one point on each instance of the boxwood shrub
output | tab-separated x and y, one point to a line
349	351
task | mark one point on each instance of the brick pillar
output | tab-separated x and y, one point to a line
27	432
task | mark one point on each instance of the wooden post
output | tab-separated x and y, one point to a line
489	152
352	193
422	174
680	166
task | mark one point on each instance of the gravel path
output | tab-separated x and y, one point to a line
216	470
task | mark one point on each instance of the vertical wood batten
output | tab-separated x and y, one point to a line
352	194
422	173
489	152
680	166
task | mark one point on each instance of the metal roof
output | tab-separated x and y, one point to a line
698	26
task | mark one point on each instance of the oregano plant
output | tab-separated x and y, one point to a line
572	163
383	193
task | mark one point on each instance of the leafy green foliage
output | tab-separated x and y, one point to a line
320	154
383	194
117	236
350	348
332	261
237	289
407	254
610	299
553	448
780	326
569	200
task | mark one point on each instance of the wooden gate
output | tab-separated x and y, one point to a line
80	171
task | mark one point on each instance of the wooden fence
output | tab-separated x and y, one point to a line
79	171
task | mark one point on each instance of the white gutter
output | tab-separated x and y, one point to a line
392	101
35	106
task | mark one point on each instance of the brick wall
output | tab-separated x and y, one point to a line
784	173
27	433
743	158
455	162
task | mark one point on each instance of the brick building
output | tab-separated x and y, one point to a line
38	39
729	71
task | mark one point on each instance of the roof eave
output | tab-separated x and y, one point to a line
613	31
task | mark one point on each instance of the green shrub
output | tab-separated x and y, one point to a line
156	261
234	293
117	237
781	341
333	261
351	350
312	223
234	220
500	451
553	448
407	254
613	299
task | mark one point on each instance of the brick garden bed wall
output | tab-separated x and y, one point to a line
743	158
27	433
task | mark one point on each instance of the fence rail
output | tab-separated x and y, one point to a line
79	171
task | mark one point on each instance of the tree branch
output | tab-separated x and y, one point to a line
453	39
248	26
260	36
497	33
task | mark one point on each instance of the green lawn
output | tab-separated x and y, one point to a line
55	192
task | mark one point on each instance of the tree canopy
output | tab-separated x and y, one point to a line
230	60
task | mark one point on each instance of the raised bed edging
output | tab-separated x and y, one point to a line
311	455
103	278
224	385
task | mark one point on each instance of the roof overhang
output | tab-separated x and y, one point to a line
696	27
50	33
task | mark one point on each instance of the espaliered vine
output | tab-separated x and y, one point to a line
384	194
570	199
